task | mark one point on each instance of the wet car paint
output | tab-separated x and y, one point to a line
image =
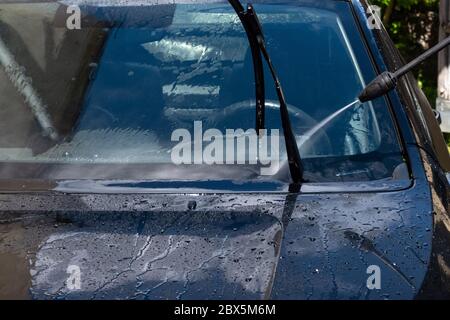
223	246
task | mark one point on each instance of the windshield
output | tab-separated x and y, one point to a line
139	91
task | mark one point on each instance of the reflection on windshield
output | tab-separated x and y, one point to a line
113	92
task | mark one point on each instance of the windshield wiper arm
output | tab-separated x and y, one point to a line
255	35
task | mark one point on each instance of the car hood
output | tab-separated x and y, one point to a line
217	246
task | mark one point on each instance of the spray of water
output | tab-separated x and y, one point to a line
325	121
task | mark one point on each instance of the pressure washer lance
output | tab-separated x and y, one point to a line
387	81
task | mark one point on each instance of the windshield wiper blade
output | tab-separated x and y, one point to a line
255	34
257	65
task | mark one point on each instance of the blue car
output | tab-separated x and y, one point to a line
215	150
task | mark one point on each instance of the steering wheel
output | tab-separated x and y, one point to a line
269	105
228	117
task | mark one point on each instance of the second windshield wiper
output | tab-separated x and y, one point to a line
257	42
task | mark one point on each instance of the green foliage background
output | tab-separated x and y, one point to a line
414	27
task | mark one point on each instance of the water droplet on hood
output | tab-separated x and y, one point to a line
192	205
